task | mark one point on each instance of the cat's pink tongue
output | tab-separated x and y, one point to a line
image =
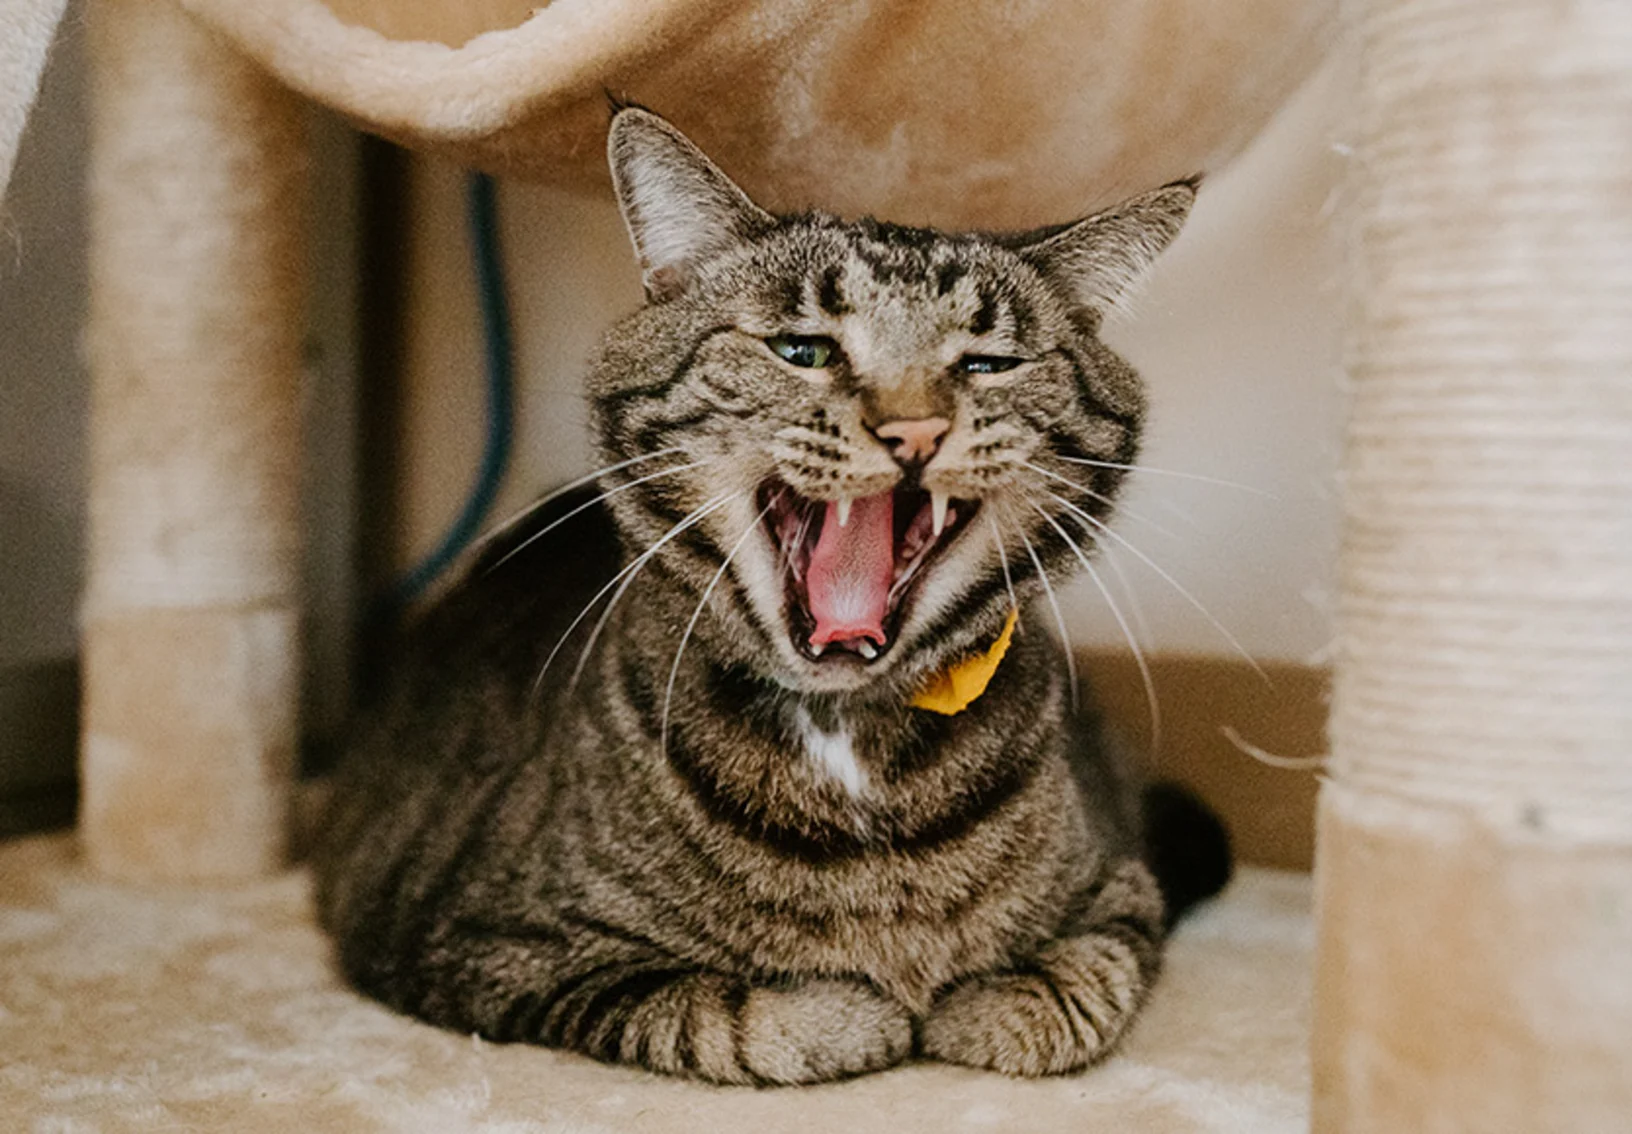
851	569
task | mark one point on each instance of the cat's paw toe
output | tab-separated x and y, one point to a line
820	1030
1023	1024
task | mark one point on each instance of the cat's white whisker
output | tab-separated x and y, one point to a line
1222	483
1116	613
556	493
586	505
617	596
708	591
1105	529
1121	509
1003	558
1136	608
628	571
1269	759
1059	618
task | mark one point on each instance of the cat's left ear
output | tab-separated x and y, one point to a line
1100	259
679	207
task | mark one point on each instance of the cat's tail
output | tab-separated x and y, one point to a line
1187	847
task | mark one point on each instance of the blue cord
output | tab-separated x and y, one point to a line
482	210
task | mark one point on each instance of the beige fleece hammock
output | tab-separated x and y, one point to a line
1475	859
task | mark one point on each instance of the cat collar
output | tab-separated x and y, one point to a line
961	685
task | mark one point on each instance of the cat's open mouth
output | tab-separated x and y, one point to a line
849	567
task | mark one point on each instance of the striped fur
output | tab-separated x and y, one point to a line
733	861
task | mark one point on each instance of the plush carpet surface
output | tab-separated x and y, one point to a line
127	1009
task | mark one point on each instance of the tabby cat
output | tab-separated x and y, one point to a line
666	778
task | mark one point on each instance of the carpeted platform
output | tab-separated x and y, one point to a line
124	1009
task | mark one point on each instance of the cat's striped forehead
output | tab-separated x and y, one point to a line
898	296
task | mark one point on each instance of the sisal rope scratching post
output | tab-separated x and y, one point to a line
190	617
1475	867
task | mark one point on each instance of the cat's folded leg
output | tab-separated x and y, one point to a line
1068	1005
624	1005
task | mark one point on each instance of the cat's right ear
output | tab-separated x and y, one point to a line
679	207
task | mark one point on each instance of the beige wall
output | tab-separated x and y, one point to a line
1237	336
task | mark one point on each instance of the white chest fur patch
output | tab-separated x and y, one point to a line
833	753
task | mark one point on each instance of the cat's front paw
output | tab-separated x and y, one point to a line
1058	1016
720	1028
820	1030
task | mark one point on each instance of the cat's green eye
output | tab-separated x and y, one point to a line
986	364
812	352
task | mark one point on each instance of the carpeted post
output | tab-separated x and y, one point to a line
1475	862
190	616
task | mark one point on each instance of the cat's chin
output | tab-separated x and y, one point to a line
904	671
837	675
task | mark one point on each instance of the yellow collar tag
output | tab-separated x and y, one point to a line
957	688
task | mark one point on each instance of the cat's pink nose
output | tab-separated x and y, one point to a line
913	441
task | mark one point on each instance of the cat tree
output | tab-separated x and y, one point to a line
1475	862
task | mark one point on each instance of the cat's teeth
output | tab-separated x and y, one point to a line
937	512
844	510
868	650
817	649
